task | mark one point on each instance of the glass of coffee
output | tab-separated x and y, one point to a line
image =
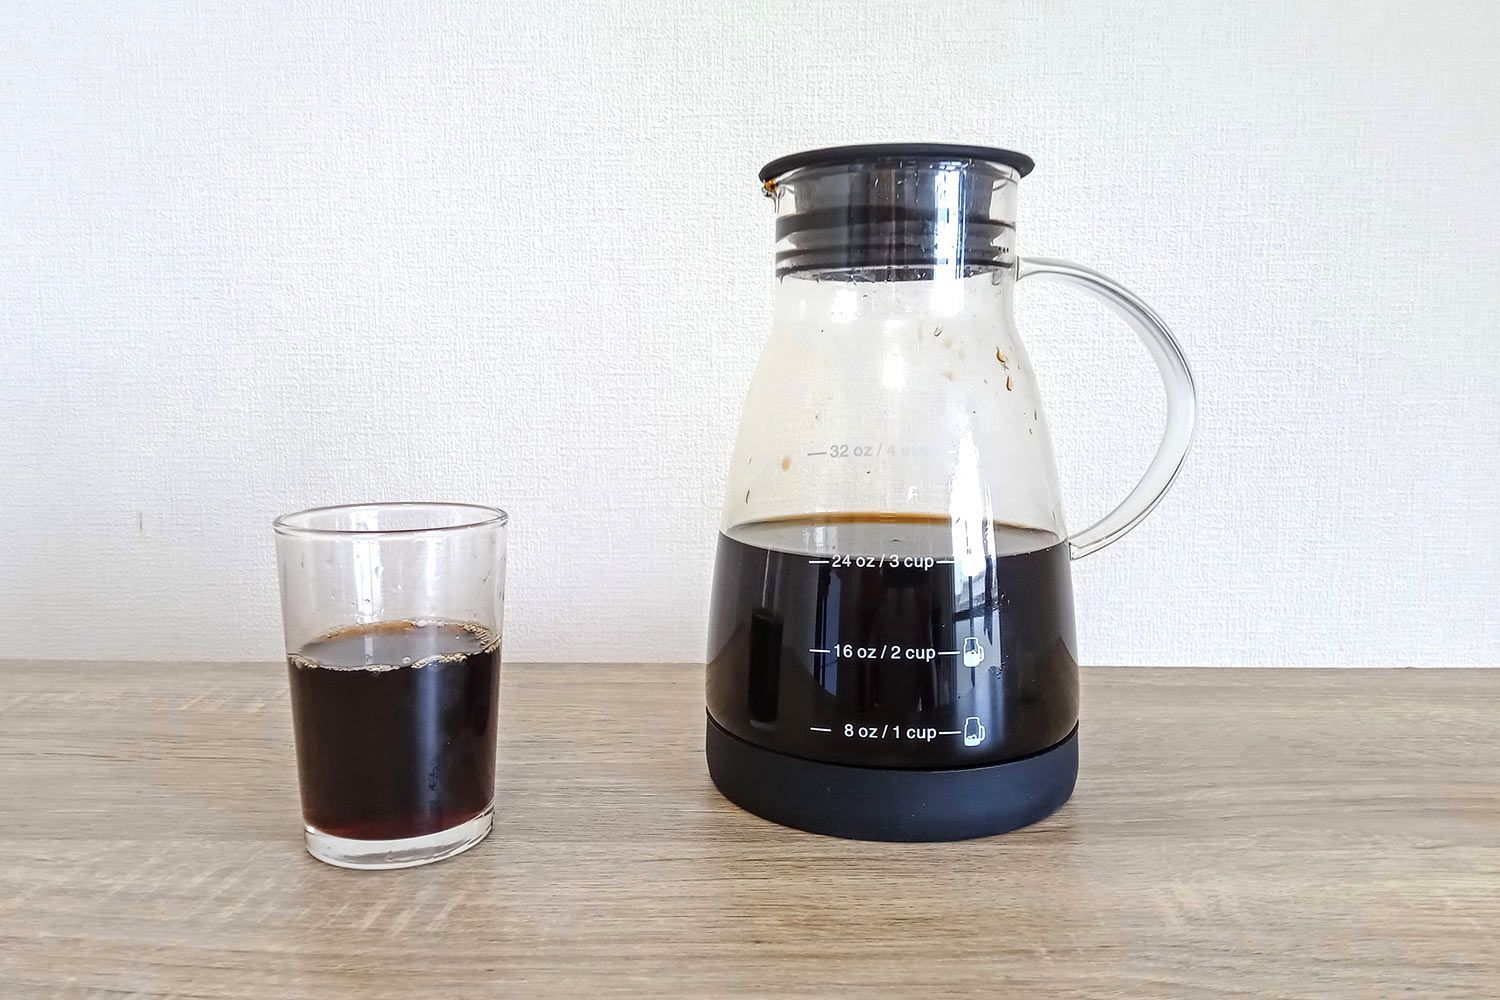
392	614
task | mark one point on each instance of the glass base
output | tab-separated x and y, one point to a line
409	852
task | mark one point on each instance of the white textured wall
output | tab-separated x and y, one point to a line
257	256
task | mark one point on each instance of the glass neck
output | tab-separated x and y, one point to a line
946	306
896	220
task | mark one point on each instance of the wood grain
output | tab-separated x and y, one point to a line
1235	833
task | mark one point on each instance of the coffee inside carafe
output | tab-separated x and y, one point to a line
873	639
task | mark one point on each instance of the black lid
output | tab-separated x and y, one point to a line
833	155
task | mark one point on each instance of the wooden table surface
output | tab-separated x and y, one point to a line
1234	833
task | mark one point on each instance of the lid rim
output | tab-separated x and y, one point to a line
833	155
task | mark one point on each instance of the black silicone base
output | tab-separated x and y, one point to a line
869	803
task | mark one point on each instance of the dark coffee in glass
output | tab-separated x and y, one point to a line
395	727
392	614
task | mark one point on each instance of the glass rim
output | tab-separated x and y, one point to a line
482	517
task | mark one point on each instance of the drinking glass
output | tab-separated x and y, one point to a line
393	614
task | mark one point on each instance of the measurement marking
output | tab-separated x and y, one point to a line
950	652
950	732
817	562
819	729
812	453
944	562
820	650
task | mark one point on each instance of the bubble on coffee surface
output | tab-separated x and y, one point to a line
484	640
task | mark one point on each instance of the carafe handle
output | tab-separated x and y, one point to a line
1182	399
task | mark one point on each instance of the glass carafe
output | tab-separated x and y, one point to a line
892	598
